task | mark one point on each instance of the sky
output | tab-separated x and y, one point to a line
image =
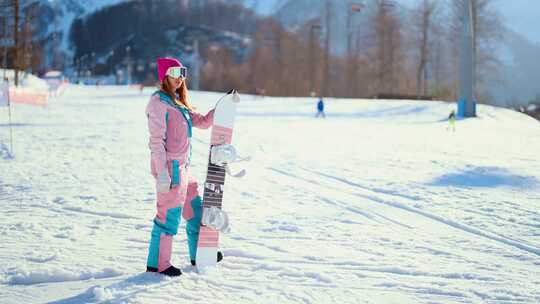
522	16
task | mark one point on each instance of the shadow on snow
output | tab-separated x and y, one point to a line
485	177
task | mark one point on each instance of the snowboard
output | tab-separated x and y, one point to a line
221	134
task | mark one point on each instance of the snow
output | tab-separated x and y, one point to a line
377	203
24	277
53	74
26	80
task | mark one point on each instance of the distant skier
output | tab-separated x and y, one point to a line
452	121
170	122
320	108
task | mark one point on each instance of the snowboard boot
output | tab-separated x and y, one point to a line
219	258
170	272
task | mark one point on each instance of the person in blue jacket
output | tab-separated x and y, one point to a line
320	108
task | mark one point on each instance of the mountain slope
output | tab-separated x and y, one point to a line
54	22
520	71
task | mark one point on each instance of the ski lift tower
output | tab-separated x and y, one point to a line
466	103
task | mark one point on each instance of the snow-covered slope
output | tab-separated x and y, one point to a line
377	203
27	81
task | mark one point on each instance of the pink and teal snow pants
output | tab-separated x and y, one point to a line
183	192
169	209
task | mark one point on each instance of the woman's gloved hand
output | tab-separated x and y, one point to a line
163	182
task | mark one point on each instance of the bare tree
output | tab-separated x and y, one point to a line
16	40
23	48
278	65
4	18
387	44
25	56
423	26
313	27
326	62
350	64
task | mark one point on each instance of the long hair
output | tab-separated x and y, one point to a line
180	96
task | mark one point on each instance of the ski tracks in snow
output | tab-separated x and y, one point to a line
413	200
413	224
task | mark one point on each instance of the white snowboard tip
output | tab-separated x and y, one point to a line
206	257
236	96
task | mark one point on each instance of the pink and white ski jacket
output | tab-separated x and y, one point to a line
170	130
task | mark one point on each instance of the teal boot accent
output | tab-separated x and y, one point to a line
193	227
169	227
153	252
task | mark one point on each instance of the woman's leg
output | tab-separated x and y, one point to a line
166	222
193	224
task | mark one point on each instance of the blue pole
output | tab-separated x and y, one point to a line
466	103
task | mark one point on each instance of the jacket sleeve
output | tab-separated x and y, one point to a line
202	121
157	126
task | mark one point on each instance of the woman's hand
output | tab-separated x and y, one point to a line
163	182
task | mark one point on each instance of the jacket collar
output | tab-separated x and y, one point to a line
164	97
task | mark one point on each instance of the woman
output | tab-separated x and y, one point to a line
170	120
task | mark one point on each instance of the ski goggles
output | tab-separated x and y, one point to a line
177	72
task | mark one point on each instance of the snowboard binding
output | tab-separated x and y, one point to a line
216	219
224	154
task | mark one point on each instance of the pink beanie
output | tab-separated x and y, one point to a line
163	64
